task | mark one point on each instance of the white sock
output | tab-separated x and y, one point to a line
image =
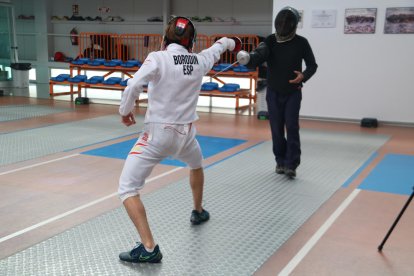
149	250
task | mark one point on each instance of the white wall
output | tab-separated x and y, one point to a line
359	75
252	17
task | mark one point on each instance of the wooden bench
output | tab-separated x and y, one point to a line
76	88
139	45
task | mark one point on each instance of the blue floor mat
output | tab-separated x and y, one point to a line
254	211
355	175
394	174
209	146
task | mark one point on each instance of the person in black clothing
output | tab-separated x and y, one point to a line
284	52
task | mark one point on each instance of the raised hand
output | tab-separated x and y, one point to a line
243	57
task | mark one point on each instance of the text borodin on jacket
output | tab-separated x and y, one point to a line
185	59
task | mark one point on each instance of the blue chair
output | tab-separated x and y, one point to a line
241	69
131	63
127	65
95	80
80	61
208	86
77	62
229	87
124	82
117	61
60	77
110	64
97	62
223	67
78	78
135	62
112	80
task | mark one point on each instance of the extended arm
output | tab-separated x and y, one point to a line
212	54
255	57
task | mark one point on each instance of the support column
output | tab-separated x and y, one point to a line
42	23
166	12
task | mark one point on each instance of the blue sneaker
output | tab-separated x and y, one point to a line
140	255
197	217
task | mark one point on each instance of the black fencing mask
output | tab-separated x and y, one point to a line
286	22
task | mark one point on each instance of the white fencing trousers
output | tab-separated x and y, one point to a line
156	142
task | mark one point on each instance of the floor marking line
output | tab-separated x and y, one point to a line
39	164
315	238
18	233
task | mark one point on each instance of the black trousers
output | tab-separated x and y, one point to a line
284	115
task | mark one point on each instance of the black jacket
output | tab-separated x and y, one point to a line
282	60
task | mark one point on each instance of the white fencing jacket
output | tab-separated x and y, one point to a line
174	77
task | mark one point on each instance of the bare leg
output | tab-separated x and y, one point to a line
197	183
137	214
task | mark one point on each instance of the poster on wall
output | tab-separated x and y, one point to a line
399	21
360	21
324	19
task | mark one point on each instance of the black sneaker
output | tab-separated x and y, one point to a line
291	173
280	169
140	255
197	217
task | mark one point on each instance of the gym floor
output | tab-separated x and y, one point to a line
45	195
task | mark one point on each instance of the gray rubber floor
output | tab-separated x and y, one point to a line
17	112
253	212
33	143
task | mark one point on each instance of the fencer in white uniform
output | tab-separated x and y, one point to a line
174	76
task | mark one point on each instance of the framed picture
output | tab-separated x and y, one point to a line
360	21
399	21
324	19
